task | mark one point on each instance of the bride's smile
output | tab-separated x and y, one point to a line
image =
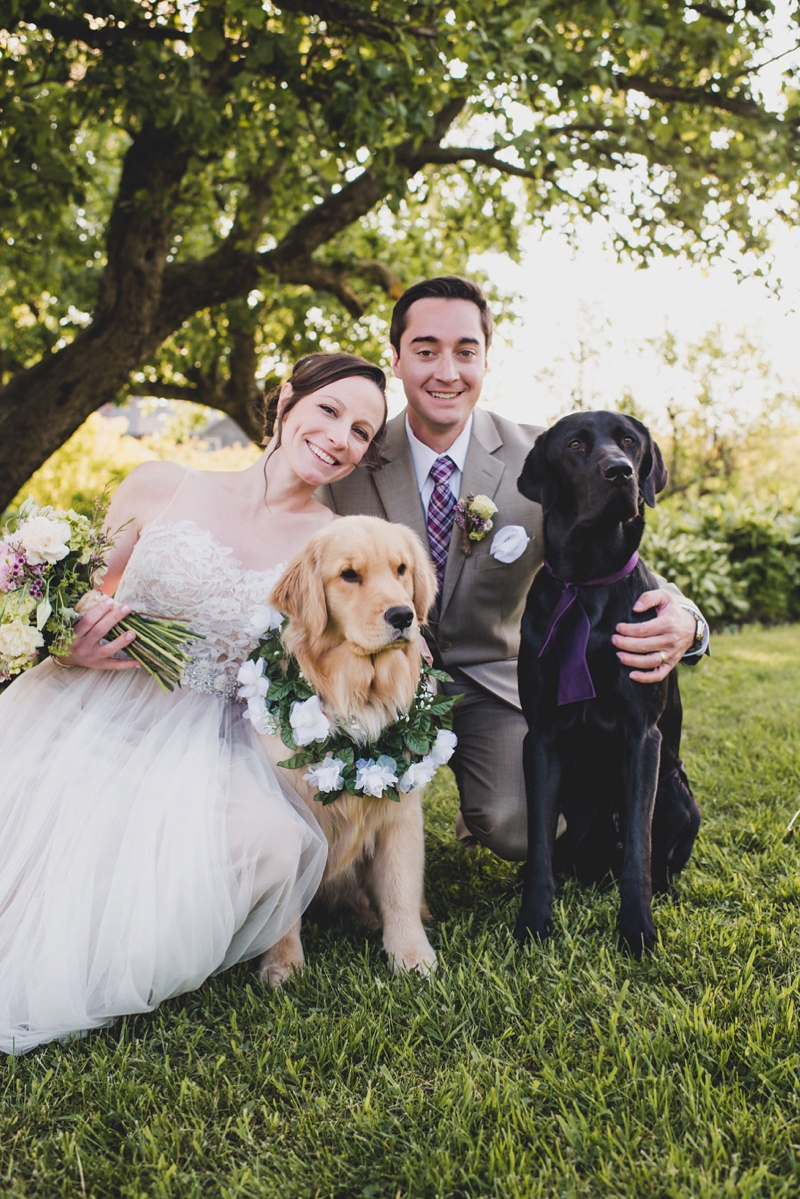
325	435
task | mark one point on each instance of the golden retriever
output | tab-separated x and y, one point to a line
354	599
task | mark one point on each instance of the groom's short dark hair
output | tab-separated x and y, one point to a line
446	287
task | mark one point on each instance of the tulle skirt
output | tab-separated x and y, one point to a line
145	844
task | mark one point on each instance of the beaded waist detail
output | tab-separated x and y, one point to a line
213	678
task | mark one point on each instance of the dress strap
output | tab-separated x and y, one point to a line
179	493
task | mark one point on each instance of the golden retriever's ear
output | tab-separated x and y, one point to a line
425	581
299	593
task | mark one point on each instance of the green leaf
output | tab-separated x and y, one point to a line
297	760
417	744
210	43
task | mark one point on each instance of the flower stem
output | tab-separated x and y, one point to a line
159	646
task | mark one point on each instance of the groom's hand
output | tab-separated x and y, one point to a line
654	647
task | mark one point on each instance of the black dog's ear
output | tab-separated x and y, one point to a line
653	474
537	481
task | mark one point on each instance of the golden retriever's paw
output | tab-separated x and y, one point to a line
275	974
283	960
419	957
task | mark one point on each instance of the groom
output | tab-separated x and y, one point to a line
439	449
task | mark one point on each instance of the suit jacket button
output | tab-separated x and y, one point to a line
446	645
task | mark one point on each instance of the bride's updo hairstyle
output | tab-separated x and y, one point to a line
314	372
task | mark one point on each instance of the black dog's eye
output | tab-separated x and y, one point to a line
402	568
575	444
351	576
627	439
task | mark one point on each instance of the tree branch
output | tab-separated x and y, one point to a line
444	155
713	14
336	13
339	210
197	393
104	36
691	95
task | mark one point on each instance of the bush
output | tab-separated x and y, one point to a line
738	559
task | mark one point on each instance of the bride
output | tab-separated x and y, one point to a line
147	843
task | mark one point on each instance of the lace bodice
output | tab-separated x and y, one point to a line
180	570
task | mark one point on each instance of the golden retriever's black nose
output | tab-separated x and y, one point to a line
399	618
618	472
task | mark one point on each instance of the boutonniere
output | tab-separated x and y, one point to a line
474	517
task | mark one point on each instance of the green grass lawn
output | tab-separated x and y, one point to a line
566	1070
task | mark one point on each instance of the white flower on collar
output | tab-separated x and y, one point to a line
309	723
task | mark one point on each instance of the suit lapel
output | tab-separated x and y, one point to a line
481	476
396	482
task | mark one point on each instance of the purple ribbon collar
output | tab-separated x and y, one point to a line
570	627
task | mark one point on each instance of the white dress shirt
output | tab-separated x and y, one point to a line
424	457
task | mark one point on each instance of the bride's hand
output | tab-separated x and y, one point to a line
89	647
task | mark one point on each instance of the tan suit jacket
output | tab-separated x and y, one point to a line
477	628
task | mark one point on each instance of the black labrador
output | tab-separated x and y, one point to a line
601	748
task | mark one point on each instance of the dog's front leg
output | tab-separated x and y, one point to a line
542	783
282	959
395	882
635	921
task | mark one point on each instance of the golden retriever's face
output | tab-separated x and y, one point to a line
360	580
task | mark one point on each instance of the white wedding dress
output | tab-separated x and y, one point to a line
145	841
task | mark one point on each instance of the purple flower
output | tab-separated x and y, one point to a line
11	566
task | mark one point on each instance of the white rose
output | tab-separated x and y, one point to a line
374	777
309	723
260	716
327	775
419	774
45	540
264	619
251	676
509	543
443	747
18	640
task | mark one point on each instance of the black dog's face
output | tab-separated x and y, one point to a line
595	464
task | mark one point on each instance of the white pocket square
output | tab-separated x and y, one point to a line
509	543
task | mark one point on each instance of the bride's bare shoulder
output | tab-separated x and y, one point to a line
156	476
148	488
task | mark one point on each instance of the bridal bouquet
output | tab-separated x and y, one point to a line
48	562
406	755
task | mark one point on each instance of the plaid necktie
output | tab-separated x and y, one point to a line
440	514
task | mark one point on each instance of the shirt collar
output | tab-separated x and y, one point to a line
424	457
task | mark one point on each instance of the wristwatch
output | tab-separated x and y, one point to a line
699	630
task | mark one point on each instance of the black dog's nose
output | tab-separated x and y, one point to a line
619	471
399	618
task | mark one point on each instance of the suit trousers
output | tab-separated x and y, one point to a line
487	764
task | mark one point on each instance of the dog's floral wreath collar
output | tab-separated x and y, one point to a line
408	752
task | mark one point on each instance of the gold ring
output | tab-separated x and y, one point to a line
663	656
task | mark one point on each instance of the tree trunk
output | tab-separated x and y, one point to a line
144	298
41	407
